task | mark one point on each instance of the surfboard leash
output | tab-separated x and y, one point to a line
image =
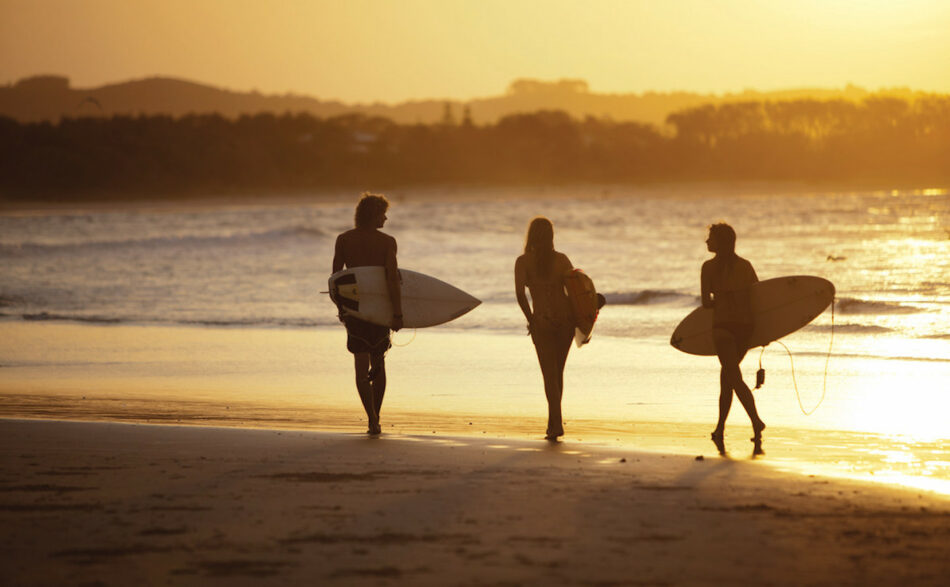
760	376
414	331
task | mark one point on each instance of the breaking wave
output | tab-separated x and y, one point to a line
850	328
858	306
262	322
650	296
189	241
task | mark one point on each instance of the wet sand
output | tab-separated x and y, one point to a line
622	393
106	503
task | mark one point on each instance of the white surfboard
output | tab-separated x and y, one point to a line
780	306
426	301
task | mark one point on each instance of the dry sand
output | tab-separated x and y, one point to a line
126	504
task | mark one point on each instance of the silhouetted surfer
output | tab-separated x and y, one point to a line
551	323
364	246
725	281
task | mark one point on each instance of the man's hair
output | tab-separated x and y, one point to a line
725	234
370	206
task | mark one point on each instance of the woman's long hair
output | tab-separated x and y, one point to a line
725	235
539	243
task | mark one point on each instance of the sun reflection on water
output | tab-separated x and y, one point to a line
878	459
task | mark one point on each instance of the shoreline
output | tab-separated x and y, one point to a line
879	460
195	505
626	394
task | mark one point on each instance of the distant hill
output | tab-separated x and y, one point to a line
50	98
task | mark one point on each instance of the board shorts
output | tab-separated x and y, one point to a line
365	337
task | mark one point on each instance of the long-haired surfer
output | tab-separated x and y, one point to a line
362	246
541	270
725	281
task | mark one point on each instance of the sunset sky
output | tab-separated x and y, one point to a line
375	50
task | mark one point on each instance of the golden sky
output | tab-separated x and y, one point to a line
376	50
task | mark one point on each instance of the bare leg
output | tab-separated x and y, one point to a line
377	375
552	347
562	349
553	386
725	400
730	379
365	389
748	402
725	404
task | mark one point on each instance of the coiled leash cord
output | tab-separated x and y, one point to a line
410	340
760	375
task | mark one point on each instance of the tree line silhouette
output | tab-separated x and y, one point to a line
881	139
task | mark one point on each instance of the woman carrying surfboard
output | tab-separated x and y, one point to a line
725	282
541	270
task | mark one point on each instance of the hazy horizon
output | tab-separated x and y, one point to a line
502	91
365	51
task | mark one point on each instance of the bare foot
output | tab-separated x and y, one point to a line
757	446
720	442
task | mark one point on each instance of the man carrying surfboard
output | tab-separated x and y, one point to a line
725	282
366	245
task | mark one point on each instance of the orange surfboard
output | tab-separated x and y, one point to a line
585	304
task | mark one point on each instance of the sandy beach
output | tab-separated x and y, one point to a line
110	504
156	455
181	187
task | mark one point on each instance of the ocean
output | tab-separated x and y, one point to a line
256	264
879	365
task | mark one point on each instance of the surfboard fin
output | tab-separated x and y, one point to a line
759	378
